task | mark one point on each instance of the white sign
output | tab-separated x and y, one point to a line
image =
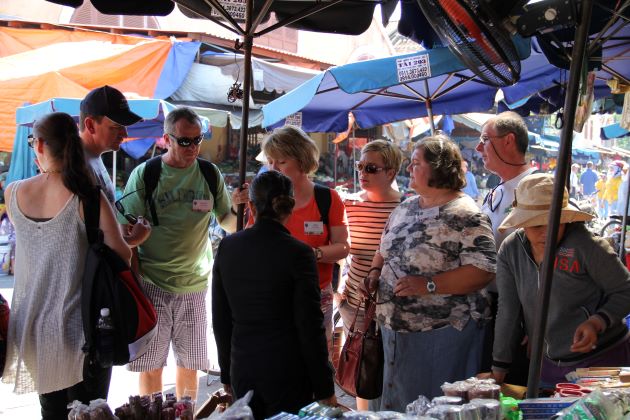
413	68
235	8
294	119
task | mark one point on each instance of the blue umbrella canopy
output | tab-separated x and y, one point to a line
384	90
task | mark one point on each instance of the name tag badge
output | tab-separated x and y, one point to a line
432	213
314	228
203	206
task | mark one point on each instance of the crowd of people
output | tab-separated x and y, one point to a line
448	274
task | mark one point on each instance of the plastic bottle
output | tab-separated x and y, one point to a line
105	339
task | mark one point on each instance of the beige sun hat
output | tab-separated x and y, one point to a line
532	203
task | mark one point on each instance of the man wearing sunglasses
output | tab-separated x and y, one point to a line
176	260
502	145
103	120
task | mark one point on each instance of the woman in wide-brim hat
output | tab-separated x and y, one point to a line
590	292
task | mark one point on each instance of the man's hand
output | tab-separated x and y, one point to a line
137	233
585	337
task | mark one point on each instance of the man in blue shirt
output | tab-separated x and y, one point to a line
471	184
588	179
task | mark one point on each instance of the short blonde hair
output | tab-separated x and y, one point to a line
391	154
292	142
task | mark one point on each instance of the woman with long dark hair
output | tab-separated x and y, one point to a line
45	328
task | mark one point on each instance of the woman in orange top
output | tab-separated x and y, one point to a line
292	152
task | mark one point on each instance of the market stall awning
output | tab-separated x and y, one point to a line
37	64
613	131
141	135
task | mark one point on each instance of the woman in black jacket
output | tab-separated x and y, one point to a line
266	309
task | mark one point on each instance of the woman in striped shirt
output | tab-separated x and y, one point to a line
368	211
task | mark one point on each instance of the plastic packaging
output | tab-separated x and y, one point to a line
419	406
457	389
447	400
105	339
595	405
239	410
490	409
446	412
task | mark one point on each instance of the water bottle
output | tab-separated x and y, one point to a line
105	340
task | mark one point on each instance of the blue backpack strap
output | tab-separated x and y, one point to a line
323	198
152	170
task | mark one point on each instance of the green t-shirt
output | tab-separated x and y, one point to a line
177	257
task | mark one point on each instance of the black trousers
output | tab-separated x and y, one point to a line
95	384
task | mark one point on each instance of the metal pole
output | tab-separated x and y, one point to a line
114	156
248	42
622	244
570	104
429	107
335	164
354	159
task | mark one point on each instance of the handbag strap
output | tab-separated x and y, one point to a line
354	319
370	306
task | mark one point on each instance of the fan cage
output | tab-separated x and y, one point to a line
472	35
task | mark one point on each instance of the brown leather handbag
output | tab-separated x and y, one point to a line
360	369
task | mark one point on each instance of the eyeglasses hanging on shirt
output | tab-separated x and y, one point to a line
491	198
119	206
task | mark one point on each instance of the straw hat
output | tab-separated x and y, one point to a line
532	203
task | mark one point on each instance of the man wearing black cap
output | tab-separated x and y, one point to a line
104	117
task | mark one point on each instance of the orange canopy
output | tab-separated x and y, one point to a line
36	65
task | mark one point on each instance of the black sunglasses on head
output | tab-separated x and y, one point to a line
121	209
187	141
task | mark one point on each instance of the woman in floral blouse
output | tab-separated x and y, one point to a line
436	256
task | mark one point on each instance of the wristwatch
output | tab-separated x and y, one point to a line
318	253
430	285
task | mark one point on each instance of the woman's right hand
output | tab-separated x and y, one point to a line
499	377
330	401
370	283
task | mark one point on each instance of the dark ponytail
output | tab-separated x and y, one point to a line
271	193
60	133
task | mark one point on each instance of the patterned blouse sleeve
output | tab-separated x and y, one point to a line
477	243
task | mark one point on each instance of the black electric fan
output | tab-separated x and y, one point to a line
480	32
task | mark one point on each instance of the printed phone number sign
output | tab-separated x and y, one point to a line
413	68
294	119
235	8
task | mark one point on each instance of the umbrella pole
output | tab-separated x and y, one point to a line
335	164
248	41
622	244
564	154
354	159
114	155
429	107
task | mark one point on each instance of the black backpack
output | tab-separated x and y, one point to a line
108	282
323	200
152	170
